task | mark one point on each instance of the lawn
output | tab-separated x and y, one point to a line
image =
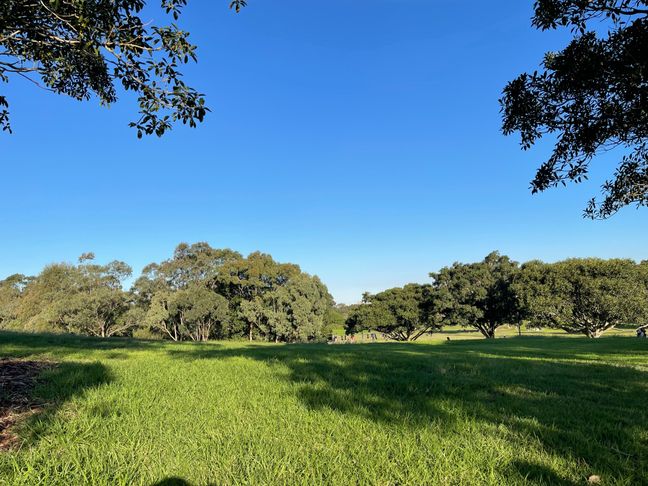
520	410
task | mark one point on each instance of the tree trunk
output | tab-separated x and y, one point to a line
593	333
487	331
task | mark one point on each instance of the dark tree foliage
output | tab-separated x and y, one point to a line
479	294
86	48
592	96
583	295
402	313
204	293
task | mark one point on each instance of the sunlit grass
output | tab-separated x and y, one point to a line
524	410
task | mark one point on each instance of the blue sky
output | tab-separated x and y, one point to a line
360	140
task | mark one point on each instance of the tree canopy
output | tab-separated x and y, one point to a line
591	96
185	295
403	314
586	296
94	49
85	298
479	294
203	293
195	313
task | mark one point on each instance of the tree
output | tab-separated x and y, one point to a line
84	49
643	269
247	280
203	313
585	296
86	298
293	311
478	294
11	291
300	307
99	311
162	316
404	314
592	96
190	264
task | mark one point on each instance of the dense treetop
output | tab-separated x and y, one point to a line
403	314
479	294
200	293
204	293
586	296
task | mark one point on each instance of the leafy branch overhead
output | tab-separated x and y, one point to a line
84	49
592	96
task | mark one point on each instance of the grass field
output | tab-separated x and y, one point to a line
523	410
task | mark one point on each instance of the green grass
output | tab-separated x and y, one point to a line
526	410
457	332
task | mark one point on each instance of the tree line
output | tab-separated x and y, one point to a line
581	295
200	293
203	293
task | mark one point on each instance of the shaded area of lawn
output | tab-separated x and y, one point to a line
594	413
19	344
577	399
56	383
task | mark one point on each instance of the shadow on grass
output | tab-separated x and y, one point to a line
23	344
172	481
56	387
593	414
538	474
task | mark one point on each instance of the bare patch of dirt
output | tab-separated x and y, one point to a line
17	381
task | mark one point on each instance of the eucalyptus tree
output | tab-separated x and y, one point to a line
98	311
258	273
590	97
86	298
245	281
294	309
197	263
195	313
202	292
403	314
478	295
204	313
92	49
11	291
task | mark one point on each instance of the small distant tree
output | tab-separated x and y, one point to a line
86	298
336	317
478	294
403	314
583	296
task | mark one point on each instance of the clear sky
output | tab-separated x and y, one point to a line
359	139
